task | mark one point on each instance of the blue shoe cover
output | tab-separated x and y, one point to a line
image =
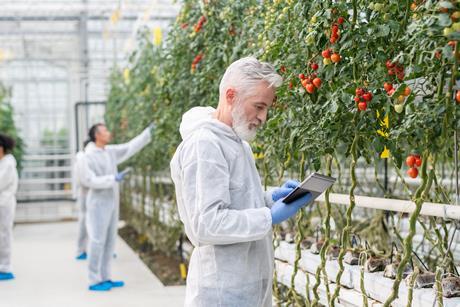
82	256
102	286
116	284
6	276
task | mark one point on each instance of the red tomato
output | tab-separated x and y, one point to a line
407	91
367	96
310	88
389	64
326	53
317	82
362	106
387	86
410	161
335	58
412	172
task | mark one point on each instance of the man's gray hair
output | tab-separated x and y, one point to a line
246	73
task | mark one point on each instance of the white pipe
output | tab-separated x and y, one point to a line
430	209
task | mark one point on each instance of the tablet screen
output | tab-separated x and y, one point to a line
315	184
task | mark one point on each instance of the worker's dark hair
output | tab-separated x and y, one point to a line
92	132
7	143
86	143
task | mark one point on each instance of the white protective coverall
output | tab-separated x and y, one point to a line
226	215
8	189
80	193
103	199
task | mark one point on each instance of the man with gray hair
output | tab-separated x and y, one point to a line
226	213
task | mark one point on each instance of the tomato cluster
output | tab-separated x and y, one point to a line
413	161
330	56
389	88
399	102
395	69
196	60
200	24
310	83
362	98
335	34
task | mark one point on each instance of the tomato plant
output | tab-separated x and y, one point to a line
361	80
7	124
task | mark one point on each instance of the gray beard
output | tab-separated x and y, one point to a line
241	125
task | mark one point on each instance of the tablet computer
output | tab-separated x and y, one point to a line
315	184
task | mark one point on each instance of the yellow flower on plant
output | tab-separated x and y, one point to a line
258	156
385	153
126	75
157	36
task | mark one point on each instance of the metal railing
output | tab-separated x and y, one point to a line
45	177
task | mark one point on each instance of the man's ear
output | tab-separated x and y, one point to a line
230	94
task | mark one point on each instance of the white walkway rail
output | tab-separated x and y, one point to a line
47	275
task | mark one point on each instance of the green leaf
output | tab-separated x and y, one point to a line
383	30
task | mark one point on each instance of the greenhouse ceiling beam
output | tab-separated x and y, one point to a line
65	62
33	34
77	18
64	6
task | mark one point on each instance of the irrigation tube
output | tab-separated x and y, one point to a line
428	209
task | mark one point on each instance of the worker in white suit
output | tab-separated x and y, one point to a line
80	193
226	213
8	189
100	175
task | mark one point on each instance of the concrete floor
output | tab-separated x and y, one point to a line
47	275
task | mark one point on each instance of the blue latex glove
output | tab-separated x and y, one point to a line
284	190
120	176
281	211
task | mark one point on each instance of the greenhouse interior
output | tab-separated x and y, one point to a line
229	153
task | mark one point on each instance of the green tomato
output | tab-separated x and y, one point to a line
399	108
326	61
378	7
447	31
456	26
310	40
